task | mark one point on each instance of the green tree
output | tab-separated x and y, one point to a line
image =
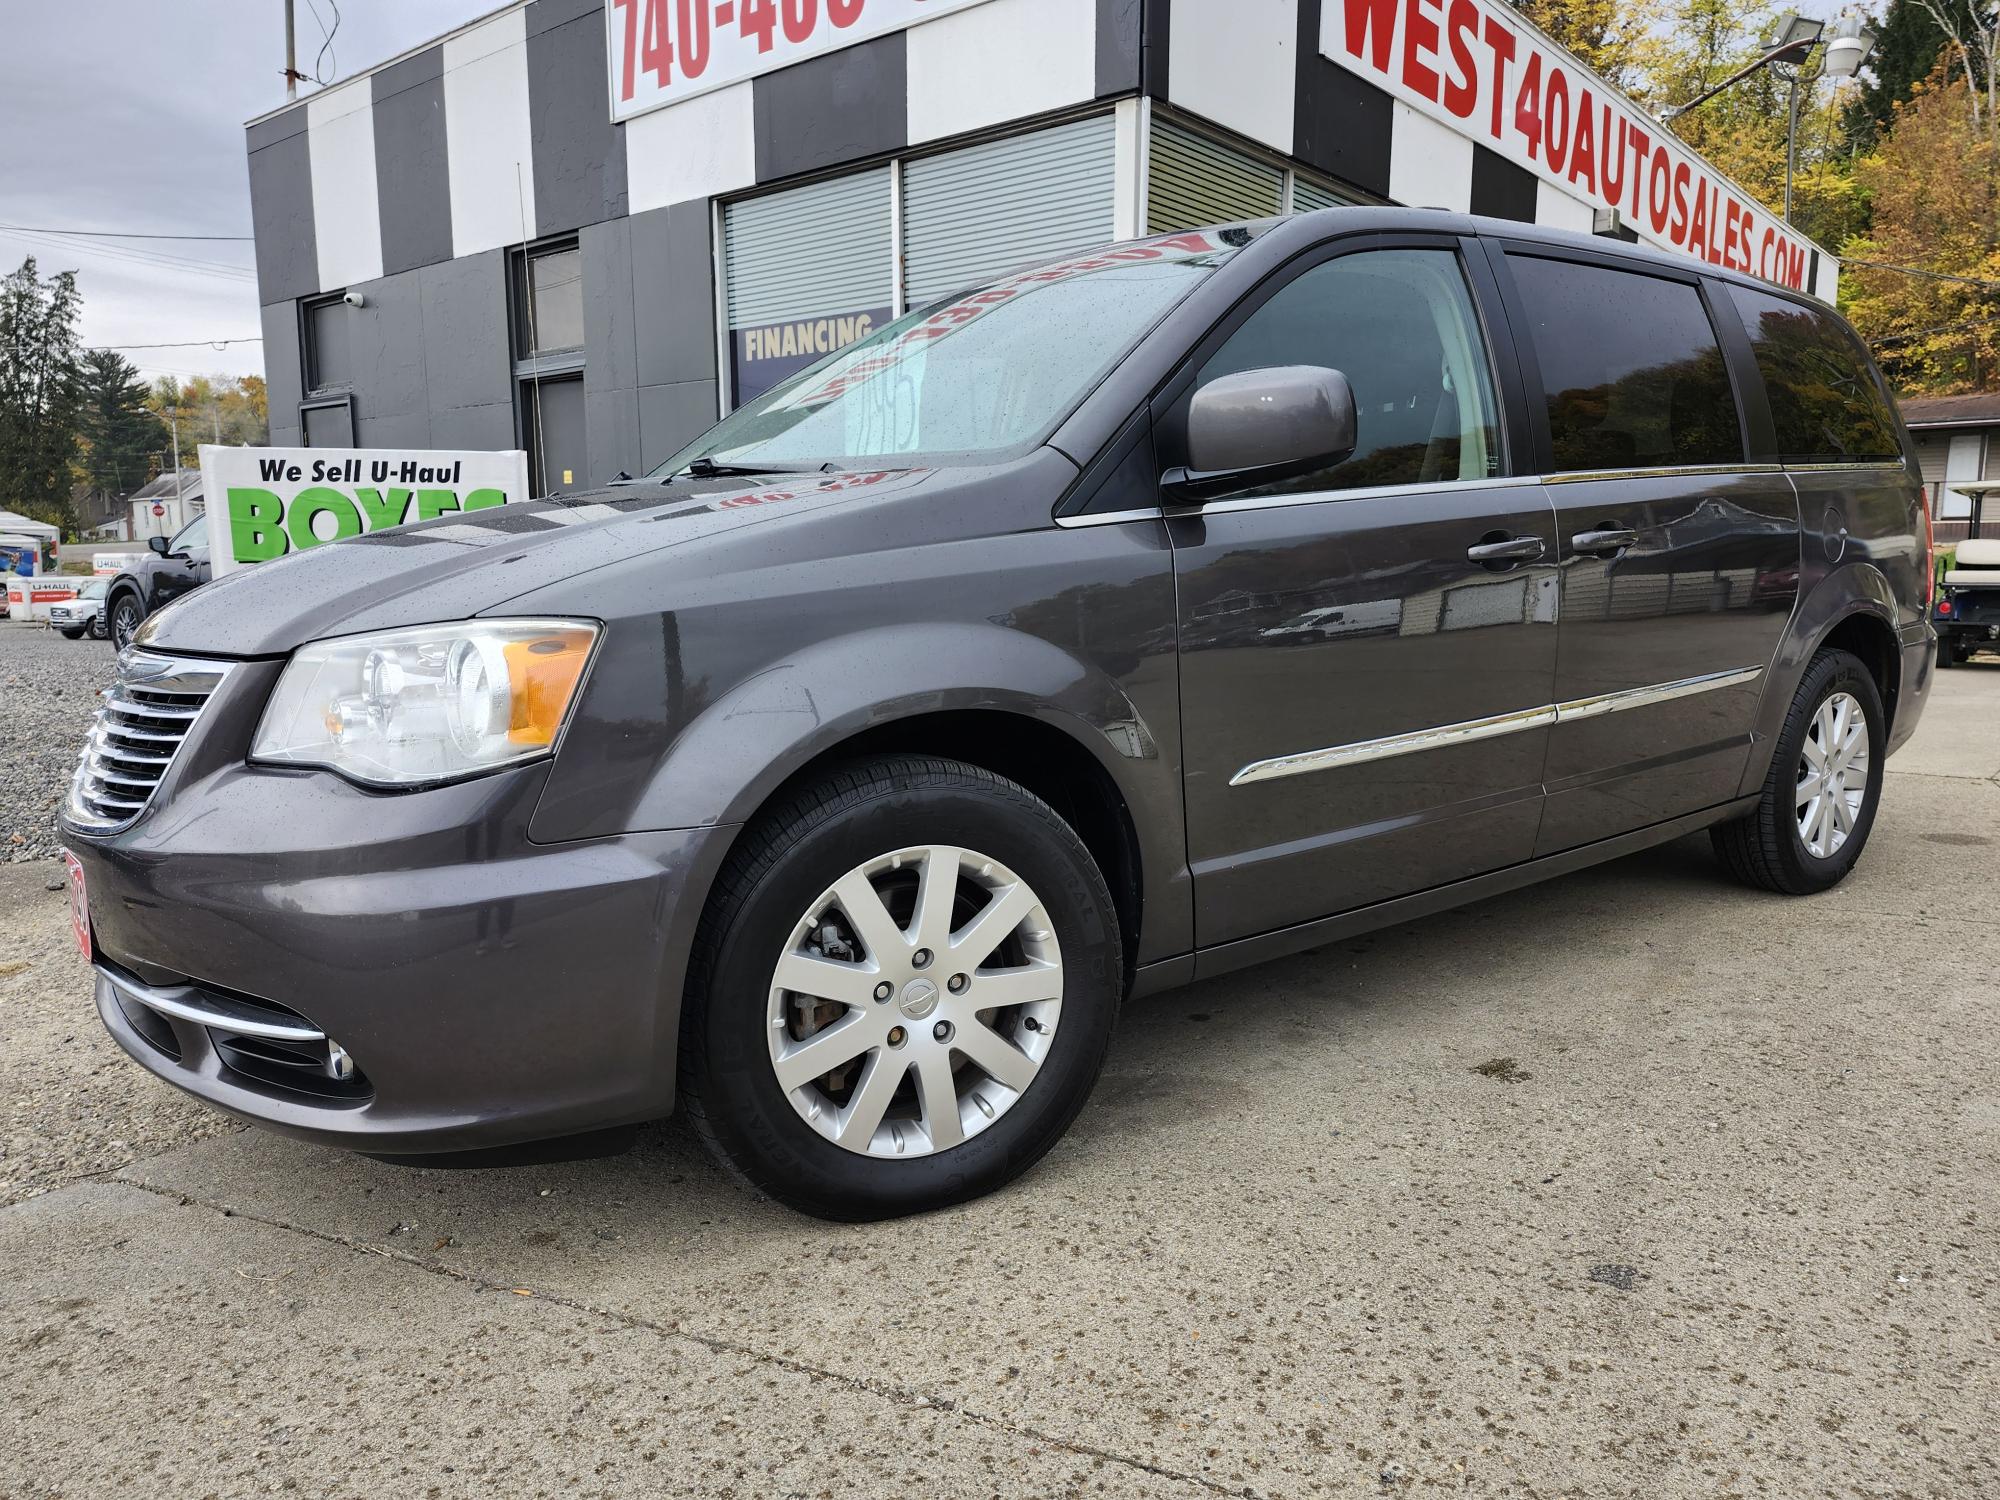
121	435
1907	45
41	396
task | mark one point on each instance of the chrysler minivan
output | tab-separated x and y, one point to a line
1128	619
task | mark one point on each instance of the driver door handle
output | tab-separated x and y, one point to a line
1507	549
1610	539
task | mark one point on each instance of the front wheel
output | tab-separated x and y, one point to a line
902	990
1824	785
74	633
126	617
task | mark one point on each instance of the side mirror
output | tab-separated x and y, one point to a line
158	544
1259	426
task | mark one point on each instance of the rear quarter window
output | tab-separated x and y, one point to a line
1826	405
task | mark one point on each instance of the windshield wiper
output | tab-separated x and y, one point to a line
707	468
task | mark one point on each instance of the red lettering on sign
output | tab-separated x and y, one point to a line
843	12
1659	187
1613	171
1420	43
656	51
631	9
1583	154
1461	89
1698	224
1501	40
1555	113
800	18
1677	230
1371	24
693	32
1528	105
754	21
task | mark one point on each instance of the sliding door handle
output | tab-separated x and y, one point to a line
1506	549
1604	541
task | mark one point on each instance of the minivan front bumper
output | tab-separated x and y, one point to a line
482	990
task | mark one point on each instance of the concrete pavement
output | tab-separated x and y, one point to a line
1631	1184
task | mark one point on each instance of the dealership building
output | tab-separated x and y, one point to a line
587	228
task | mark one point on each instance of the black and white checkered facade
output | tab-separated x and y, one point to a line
414	183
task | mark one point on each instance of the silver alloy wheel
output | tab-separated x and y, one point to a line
915	1001
1833	775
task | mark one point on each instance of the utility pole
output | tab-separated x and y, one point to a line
291	52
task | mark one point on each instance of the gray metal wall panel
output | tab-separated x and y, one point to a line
466	350
280	127
284	376
673	294
476	427
611	429
412	179
281	218
391	385
610	354
546	15
672	415
842	107
579	155
1120	33
969	215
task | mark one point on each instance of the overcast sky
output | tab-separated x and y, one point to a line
128	115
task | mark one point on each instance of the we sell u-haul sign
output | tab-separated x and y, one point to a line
1477	68
267	502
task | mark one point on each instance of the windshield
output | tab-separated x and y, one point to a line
984	371
94	589
192	536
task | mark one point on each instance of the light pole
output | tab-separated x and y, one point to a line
1846	51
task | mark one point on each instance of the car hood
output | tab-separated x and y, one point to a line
459	566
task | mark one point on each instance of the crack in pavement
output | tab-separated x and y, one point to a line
895	1395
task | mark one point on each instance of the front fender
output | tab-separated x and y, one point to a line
1854	588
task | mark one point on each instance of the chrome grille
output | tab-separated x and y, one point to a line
144	716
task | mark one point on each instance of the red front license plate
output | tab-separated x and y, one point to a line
79	904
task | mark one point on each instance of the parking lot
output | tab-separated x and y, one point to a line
1635	1183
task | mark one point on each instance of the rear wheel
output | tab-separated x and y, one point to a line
126	617
74	633
1820	795
1949	654
902	992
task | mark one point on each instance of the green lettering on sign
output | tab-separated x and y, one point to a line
383	507
434	503
485	499
310	505
256	525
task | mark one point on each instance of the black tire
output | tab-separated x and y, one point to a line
783	861
95	630
1764	848
127	615
75	634
1948	652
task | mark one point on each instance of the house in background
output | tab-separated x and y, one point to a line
1957	438
164	506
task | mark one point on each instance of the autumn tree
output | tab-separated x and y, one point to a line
1934	182
40	395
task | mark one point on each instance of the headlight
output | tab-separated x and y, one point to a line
410	707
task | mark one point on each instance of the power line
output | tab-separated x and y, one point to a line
184	344
1882	265
116	234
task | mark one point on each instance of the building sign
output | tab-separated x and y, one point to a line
279	500
764	356
664	51
1476	68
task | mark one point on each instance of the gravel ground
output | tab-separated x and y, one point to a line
48	691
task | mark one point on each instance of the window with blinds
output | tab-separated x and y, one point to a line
1308	195
973	214
1193	180
809	270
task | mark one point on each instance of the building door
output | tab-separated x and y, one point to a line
553	413
1367	656
1679	558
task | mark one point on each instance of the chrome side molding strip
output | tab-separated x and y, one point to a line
1478	729
1664	692
1395	744
210	1009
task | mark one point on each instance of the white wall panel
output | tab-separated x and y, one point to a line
1236	63
998	62
1429	166
696	149
487	141
1555	209
347	211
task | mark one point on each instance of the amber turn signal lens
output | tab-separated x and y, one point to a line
542	674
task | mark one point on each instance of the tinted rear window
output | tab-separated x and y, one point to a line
1825	404
1633	373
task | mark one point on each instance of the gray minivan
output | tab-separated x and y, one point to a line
1132	618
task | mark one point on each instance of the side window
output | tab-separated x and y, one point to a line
1825	404
1631	369
329	345
192	538
1399	324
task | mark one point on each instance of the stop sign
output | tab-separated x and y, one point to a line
159	509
